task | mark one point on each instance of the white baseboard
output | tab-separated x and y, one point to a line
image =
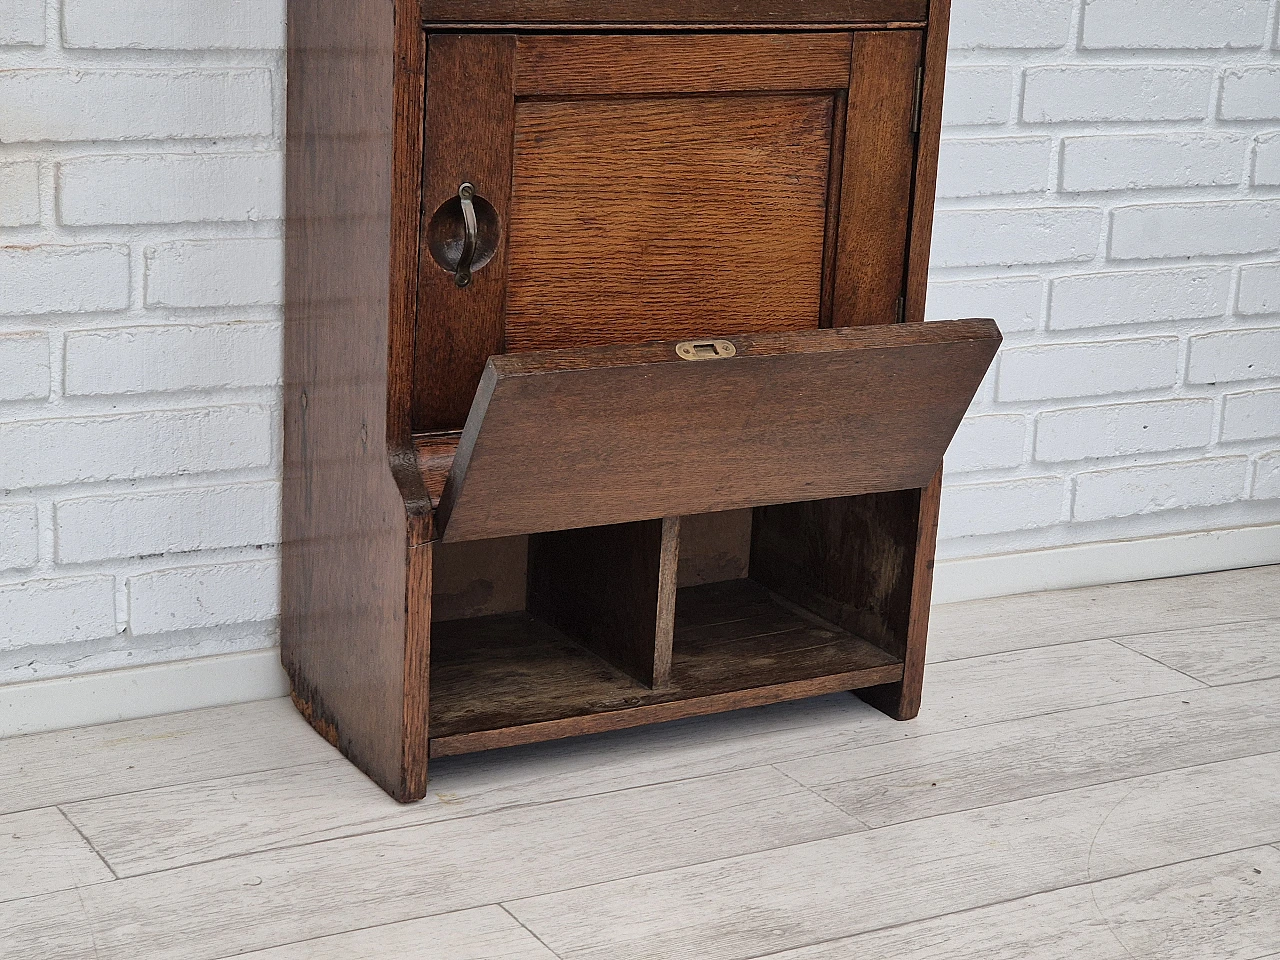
149	691
1114	561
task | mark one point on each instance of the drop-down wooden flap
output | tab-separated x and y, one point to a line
560	439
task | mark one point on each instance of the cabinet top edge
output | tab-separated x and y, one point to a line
672	14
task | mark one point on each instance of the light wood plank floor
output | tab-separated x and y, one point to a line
1095	773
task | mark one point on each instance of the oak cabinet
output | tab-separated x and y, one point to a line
607	395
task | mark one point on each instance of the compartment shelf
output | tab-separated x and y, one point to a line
510	679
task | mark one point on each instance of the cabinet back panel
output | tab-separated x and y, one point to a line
666	218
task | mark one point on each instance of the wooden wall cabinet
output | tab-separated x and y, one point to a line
607	397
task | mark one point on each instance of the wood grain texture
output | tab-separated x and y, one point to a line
133	755
875	200
345	528
902	700
469	116
1053	678
572	66
221	909
1216	655
714	547
1035	756
167	827
670	12
1019	753
486	933
716	227
479	578
850	560
409	89
1112	610
603	586
926	170
508	680
857	410
754	905
40	852
1216	907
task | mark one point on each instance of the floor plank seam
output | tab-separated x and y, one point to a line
526	928
1148	656
482	813
827	800
1118	637
181	783
1082	786
907	724
718	772
350	930
98	853
1011	900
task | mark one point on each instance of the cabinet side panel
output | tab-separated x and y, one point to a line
344	536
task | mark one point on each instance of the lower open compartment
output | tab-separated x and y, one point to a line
516	659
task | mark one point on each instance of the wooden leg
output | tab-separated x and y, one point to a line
417	675
902	700
612	589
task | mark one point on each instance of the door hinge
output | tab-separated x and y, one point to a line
900	311
918	105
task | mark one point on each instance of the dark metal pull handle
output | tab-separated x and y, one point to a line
471	235
463	234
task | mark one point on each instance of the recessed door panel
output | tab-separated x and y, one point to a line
588	191
655	219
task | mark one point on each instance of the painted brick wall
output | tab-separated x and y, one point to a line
140	282
1110	190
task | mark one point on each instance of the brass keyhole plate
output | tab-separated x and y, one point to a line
705	349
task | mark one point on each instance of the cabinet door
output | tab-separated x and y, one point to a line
599	190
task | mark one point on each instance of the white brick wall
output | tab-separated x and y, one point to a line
1134	267
1109	190
140	244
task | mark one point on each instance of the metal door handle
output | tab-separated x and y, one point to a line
471	235
464	234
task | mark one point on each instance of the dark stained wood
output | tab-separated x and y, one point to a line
479	578
835	181
926	170
592	13
875	201
744	169
610	588
714	547
417	671
406	202
850	560
345	552
574	438
507	680
717	227
469	115
434	453
901	700
569	66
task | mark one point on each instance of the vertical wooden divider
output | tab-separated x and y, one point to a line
613	590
